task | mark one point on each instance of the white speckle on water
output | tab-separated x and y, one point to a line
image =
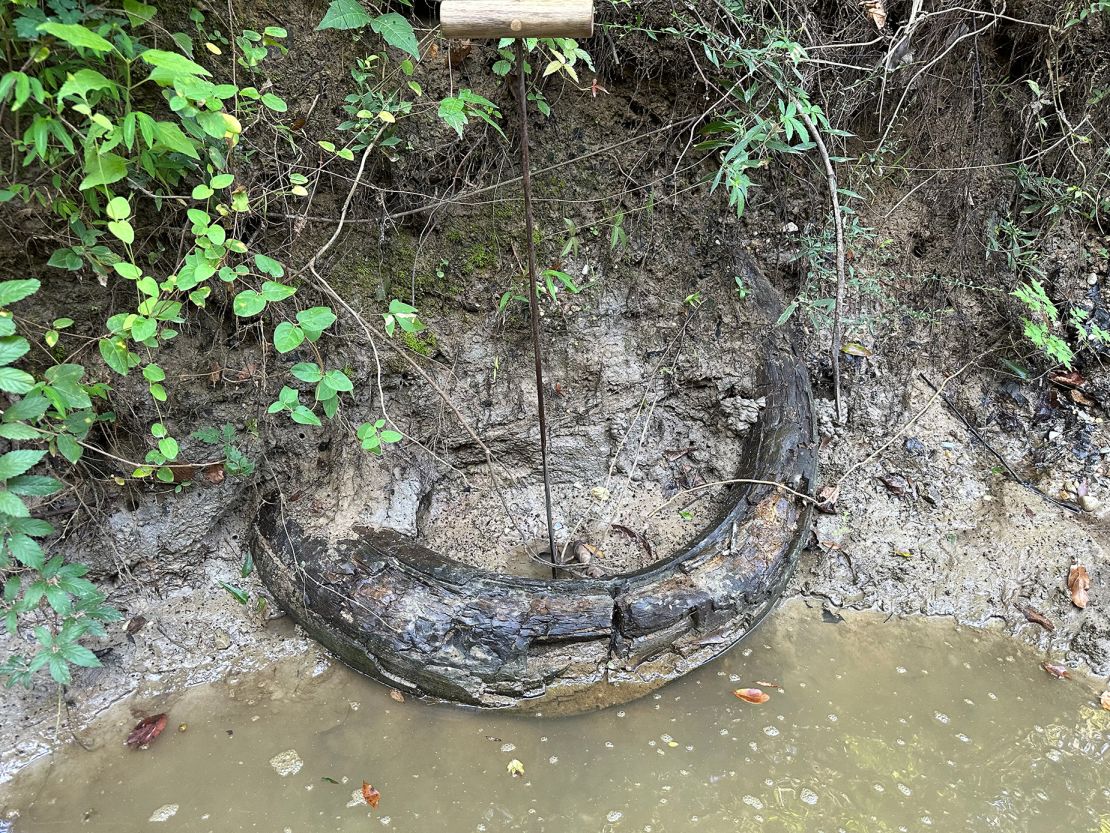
808	796
614	816
753	802
902	788
770	731
554	759
287	762
900	670
508	747
942	717
164	813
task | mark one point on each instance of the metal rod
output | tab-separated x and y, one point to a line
533	300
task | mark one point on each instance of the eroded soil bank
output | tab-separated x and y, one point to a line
649	377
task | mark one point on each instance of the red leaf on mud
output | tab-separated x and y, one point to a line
1035	616
146	730
1078	585
370	795
1057	671
752	695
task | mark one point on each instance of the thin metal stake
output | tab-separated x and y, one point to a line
533	300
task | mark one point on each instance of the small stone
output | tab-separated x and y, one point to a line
1092	279
790	228
1088	503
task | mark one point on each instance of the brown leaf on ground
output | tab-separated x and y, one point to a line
1057	671
370	795
1035	616
1079	582
854	348
1080	398
214	473
752	695
1104	700
895	483
134	625
1067	379
394	694
458	54
146	730
827	498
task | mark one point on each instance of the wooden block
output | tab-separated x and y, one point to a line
516	18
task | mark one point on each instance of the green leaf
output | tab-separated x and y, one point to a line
17	462
173	63
274	291
275	103
76	35
13	380
240	595
79	655
122	230
269	266
27	551
13	506
344	14
115	354
307	372
169	135
65	259
33	485
118	208
397	32
338	380
11	348
68	448
202	192
287	337
154	373
388	436
103	169
169	448
18	431
12	291
304	416
315	320
248	303
127	270
221	181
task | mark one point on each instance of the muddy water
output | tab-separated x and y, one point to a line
899	726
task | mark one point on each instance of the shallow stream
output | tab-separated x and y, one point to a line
906	725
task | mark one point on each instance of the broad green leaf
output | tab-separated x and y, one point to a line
397	32
17	462
388	436
202	192
103	169
13	506
344	14
307	372
169	448
12	348
68	448
76	35
338	380
221	181
269	266
115	354
27	551
118	208
13	380
248	303
34	485
18	431
173	63
65	259
287	337
274	291
274	102
304	416
170	136
83	82
316	319
12	291
122	230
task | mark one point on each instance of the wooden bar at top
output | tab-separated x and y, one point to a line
516	18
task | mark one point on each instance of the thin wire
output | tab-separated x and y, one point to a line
533	300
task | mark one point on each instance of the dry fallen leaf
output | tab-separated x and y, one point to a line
875	10
752	695
1034	615
146	730
370	795
1078	585
766	684
1057	671
1067	379
896	483
1104	700
394	694
826	499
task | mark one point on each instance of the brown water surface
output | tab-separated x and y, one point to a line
907	725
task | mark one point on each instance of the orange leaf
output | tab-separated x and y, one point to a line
1104	700
394	694
1079	582
752	695
146	730
1057	671
370	795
